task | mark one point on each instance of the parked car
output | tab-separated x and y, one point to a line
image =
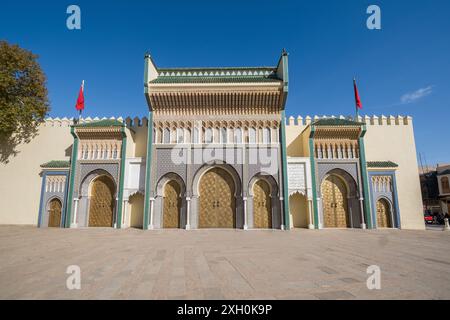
429	219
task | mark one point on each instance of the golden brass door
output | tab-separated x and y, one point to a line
171	205
54	215
262	208
217	203
383	214
101	205
334	197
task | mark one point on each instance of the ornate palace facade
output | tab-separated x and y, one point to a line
216	151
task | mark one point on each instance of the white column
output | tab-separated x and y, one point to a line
363	223
283	225
117	212
151	226
245	213
188	213
319	223
310	208
75	211
124	216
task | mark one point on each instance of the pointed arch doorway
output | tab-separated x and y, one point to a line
217	200
102	202
54	213
262	205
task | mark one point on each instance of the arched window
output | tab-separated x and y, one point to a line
208	135
223	135
180	135
187	137
166	135
275	134
159	136
266	135
445	185
238	135
216	135
115	152
252	135
195	136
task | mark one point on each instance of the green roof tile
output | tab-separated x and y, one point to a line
215	79
337	122
56	164
217	75
381	164
203	69
101	123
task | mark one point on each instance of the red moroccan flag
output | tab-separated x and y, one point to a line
357	98
80	101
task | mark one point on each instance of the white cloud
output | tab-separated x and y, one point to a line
411	97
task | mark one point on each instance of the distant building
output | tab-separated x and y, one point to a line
435	187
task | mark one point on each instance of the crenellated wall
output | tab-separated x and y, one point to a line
388	138
20	182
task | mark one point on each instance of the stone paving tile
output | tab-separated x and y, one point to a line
334	295
222	264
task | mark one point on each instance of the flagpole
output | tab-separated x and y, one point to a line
356	105
81	110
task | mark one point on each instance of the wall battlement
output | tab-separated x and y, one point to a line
67	122
291	121
369	120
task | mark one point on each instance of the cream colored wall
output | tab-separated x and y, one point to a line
387	138
141	141
136	210
297	134
20	182
298	208
137	139
395	142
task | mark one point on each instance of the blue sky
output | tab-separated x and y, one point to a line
402	69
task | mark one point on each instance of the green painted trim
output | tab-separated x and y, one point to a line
313	177
73	161
362	161
121	178
285	72
148	164
284	172
146	63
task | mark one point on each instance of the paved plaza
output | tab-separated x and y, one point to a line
223	264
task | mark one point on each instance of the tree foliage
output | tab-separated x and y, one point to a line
23	98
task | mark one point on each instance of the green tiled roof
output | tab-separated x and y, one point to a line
56	164
213	79
381	164
337	122
217	75
101	123
444	172
208	69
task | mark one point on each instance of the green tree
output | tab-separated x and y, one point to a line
23	98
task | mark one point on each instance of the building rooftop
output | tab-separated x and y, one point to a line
337	122
56	164
101	123
381	164
217	75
